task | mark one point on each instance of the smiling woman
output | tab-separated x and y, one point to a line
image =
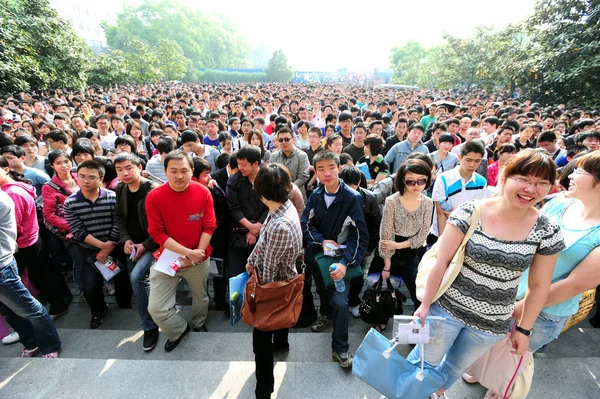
511	237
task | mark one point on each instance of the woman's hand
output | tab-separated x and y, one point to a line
422	312
520	343
385	275
387	245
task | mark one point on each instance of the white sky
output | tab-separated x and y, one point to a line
321	35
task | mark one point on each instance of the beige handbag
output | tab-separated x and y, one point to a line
429	259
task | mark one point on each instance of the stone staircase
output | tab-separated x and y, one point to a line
109	363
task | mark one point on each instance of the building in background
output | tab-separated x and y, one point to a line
86	17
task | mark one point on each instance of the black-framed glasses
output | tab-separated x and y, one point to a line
412	183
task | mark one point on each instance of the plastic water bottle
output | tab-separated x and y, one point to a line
340	286
445	206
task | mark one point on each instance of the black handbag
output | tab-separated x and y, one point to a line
377	306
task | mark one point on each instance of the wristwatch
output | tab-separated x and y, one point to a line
524	331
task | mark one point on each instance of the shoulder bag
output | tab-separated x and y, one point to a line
429	259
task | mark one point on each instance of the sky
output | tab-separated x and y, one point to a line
318	35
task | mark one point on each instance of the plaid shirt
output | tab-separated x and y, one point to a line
279	245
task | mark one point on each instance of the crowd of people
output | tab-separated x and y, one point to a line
96	185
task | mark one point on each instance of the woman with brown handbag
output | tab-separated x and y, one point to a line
275	254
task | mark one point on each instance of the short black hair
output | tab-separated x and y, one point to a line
472	146
200	165
375	144
165	145
547	136
126	139
233	160
26	138
344	116
189	136
178	154
250	153
55	154
326	156
416	166
15	150
350	175
83	147
58	135
273	182
127	156
93	164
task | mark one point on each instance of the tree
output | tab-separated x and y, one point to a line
39	49
142	62
171	62
109	69
406	62
206	40
278	69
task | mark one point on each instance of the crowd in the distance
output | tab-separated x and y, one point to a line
96	185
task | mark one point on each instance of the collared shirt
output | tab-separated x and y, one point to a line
297	164
399	152
243	201
279	244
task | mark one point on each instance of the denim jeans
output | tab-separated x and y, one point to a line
546	329
140	282
460	344
25	314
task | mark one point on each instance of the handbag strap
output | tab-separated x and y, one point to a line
473	222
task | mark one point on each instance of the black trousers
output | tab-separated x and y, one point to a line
93	281
43	274
262	345
401	266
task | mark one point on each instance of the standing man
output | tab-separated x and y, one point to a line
345	121
357	148
398	153
334	216
247	211
23	312
181	218
133	230
400	129
431	118
292	158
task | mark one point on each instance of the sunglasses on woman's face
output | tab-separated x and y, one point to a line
412	183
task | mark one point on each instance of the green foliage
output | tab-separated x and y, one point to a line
208	41
109	69
553	56
215	76
277	69
39	49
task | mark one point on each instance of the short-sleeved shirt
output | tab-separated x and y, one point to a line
484	293
452	188
377	167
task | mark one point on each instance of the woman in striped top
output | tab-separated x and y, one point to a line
511	236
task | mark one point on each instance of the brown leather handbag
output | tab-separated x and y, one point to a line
272	306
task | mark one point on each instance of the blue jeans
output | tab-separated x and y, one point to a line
546	329
460	344
140	282
25	314
338	303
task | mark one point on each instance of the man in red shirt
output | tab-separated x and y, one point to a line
181	218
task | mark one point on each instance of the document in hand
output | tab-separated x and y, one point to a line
168	262
109	269
363	167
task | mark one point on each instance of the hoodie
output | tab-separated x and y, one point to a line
23	195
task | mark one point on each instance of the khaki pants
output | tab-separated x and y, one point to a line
163	289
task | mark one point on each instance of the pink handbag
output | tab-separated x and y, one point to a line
498	369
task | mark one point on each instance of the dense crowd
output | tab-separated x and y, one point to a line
99	185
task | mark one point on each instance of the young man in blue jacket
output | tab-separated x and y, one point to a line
334	215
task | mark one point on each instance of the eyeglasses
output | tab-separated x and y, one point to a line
123	145
88	178
412	183
540	185
285	140
580	171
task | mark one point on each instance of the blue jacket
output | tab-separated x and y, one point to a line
343	222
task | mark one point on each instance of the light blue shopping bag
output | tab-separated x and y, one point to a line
378	364
237	286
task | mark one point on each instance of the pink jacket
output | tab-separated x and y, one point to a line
53	204
23	195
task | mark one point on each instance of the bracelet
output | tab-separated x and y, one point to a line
386	270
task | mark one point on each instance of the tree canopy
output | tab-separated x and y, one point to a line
39	49
553	56
277	69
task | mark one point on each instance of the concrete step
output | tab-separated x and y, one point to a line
127	319
117	378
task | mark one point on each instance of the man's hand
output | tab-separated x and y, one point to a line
254	228
139	250
196	255
102	256
128	247
145	173
211	184
108	246
339	272
185	262
330	242
250	238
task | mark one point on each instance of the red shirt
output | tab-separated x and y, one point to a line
183	216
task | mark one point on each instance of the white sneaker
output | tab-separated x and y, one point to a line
492	395
436	396
11	338
355	311
469	378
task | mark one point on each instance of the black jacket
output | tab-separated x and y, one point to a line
121	212
221	177
372	217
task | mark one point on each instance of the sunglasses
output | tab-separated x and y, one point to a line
412	183
285	140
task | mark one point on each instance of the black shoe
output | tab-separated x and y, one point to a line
220	306
201	329
58	309
281	347
97	320
170	345
150	339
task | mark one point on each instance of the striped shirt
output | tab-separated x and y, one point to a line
96	218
